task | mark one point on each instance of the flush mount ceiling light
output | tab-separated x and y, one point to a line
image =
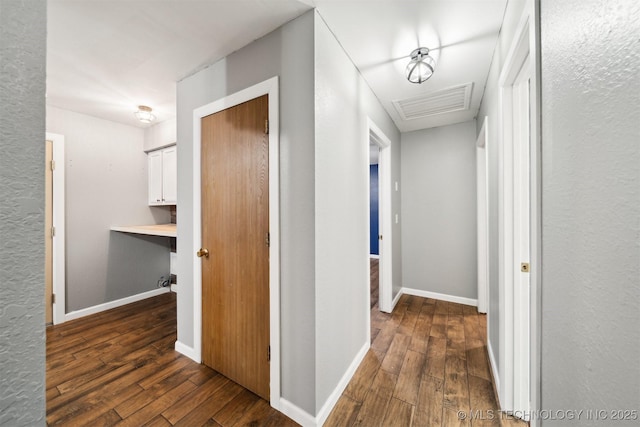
421	66
144	114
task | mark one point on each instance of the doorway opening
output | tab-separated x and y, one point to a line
379	150
374	225
55	305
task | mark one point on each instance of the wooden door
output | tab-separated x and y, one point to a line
48	235
235	227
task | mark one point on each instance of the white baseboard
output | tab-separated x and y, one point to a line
442	297
305	419
494	372
297	414
326	409
396	299
374	256
187	351
174	288
113	304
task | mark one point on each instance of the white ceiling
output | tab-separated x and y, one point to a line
105	57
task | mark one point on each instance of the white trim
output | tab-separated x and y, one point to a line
114	304
494	368
58	248
536	204
297	414
396	299
482	168
375	134
374	256
267	87
442	297
514	329
331	401
187	351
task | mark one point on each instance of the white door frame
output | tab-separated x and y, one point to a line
515	302
483	217
375	135
59	306
267	87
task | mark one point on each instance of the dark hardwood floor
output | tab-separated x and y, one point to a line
427	362
427	366
119	368
375	281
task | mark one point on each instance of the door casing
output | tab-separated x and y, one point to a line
268	87
377	137
482	169
519	307
59	307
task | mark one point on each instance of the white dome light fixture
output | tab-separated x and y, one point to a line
144	114
421	66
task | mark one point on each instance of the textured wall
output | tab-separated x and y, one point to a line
590	53
439	210
106	184
22	133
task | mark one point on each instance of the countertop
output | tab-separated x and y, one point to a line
167	230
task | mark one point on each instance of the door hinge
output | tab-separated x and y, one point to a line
267	240
53	298
53	165
53	232
266	126
524	267
380	237
269	354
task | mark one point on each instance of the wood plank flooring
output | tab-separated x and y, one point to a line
119	368
427	361
375	281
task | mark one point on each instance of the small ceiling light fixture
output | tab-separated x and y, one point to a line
421	66
144	114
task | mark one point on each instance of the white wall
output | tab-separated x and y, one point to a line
22	333
489	108
439	210
288	53
160	135
106	184
343	101
590	56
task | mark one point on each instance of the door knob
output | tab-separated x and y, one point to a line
203	253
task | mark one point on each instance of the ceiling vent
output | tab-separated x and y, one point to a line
456	98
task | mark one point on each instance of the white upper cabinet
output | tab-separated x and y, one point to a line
163	176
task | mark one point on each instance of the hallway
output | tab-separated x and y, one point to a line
427	363
427	366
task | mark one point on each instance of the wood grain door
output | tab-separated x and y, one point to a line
235	227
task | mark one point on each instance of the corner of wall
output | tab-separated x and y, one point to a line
22	143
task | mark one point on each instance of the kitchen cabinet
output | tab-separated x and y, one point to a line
163	176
